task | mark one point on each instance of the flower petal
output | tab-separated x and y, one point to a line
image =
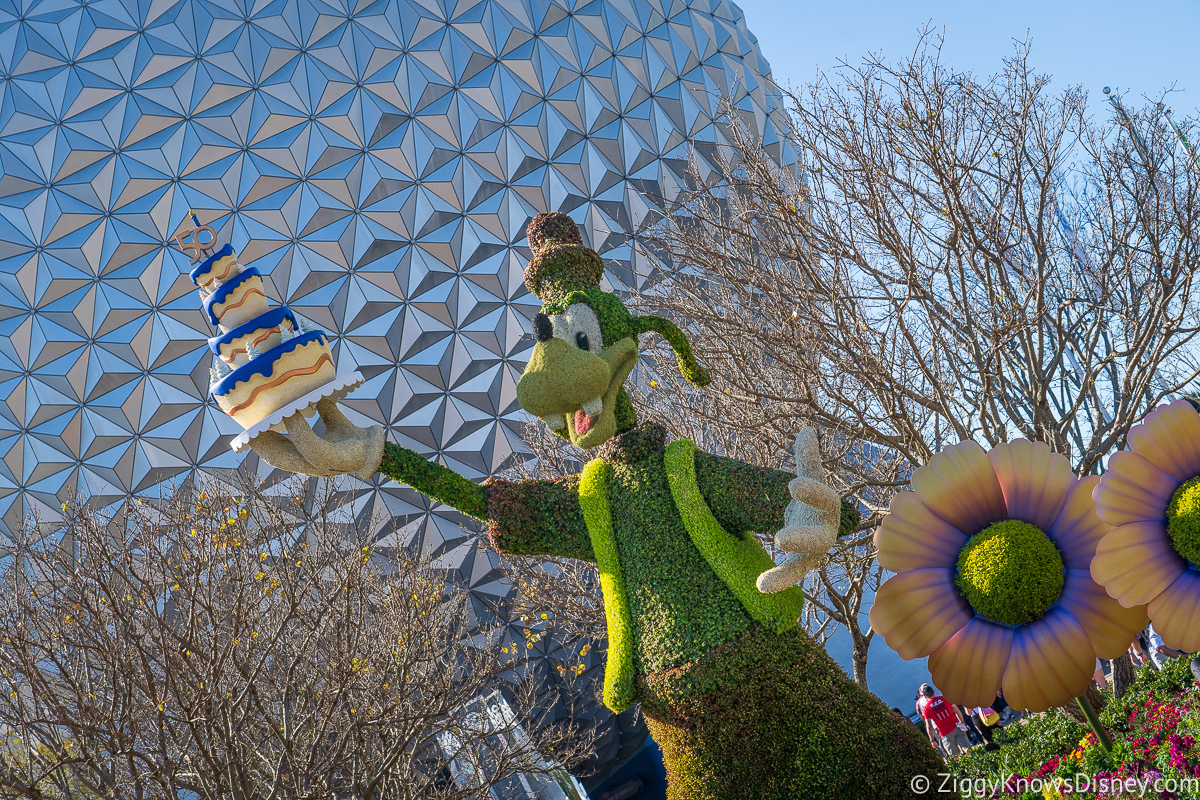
917	611
1109	625
1136	562
969	666
960	486
1035	480
913	537
1169	437
1133	490
1174	613
1078	530
1051	664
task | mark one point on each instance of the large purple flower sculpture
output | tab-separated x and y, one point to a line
1151	497
992	553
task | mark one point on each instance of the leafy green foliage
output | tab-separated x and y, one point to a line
1010	572
636	445
618	672
626	416
851	516
692	372
775	718
1183	520
1024	748
537	518
680	608
554	273
550	229
1155	726
441	483
743	497
738	561
1173	678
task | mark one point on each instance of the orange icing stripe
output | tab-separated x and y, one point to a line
325	358
229	265
237	351
229	262
224	309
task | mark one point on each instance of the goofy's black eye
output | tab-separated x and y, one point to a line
543	328
581	341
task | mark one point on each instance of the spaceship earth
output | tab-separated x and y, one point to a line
377	162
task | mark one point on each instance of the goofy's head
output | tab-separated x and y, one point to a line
586	340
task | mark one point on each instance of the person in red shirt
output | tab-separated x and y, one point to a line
943	718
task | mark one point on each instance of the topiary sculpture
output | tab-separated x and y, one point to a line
742	702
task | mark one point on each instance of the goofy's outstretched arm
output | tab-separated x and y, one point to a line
530	517
438	482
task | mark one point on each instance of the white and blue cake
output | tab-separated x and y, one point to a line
266	359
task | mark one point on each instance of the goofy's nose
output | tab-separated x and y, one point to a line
560	377
543	328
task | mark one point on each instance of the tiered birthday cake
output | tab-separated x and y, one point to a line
266	360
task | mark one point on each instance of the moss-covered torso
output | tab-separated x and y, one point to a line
740	711
679	607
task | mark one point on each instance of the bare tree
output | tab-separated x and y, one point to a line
245	642
953	258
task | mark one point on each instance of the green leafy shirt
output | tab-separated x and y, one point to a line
678	606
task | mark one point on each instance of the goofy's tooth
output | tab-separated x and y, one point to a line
594	406
554	421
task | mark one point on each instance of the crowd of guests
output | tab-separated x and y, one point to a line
954	729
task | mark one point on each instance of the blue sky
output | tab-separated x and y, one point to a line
1139	45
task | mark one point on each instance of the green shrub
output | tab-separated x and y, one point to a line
1174	677
790	727
441	483
1010	572
1024	747
551	229
1183	520
1156	725
559	270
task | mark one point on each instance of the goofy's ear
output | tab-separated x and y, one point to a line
692	372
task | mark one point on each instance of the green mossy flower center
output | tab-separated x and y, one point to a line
1010	572
1183	520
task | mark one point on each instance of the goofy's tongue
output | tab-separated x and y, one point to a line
583	423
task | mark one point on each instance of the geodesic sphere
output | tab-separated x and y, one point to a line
376	162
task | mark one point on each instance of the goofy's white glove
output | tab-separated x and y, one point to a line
810	521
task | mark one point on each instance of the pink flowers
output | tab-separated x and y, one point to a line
1157	748
1180	747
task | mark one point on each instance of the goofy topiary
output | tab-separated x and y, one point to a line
702	624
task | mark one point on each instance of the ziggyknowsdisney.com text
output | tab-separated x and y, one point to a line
1079	784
